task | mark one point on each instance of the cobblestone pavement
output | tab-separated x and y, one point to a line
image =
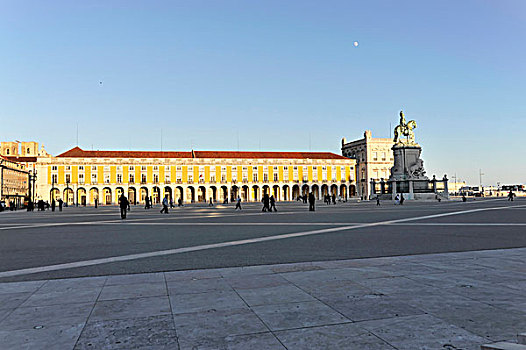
434	301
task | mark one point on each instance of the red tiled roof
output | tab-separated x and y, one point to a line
80	153
21	159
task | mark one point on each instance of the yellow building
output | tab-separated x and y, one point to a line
81	176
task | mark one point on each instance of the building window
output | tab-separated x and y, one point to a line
245	174
375	156
305	173
167	178
285	173
234	173
143	168
314	173
119	167
54	178
54	167
179	174
155	168
223	173
190	174
275	173
201	174
81	167
81	178
324	173
333	174
131	167
383	156
295	173
143	178
106	168
342	173
132	178
93	178
119	178
94	168
68	178
106	178
155	178
213	174
68	168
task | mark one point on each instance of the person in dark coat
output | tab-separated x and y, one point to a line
53	204
60	202
123	204
312	200
266	202
272	203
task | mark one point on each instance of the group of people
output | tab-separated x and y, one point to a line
269	203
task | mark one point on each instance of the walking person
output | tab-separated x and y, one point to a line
210	203
180	202
124	205
402	199
147	202
377	200
272	203
60	202
266	202
165	205
510	196
96	202
333	199
238	203
312	200
53	204
397	200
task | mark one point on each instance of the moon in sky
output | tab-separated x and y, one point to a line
355	44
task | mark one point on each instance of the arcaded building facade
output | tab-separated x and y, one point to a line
81	176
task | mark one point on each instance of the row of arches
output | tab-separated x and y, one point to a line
109	195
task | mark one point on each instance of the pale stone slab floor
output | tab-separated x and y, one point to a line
438	301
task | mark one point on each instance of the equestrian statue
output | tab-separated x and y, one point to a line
404	129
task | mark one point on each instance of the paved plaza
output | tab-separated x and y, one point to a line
446	275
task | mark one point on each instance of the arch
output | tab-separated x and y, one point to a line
266	189
179	193
334	190
295	192
343	192
256	194
352	190
316	191
68	196
93	195
106	196
54	194
213	189
286	193
305	190
276	192
118	192
190	194
132	195
324	190
81	196
168	191
156	195
144	194
223	194
201	194
234	193
244	193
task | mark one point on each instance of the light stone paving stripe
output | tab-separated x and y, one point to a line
128	221
227	244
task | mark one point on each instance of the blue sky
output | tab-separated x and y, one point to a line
270	75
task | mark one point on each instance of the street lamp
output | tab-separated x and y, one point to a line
67	191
